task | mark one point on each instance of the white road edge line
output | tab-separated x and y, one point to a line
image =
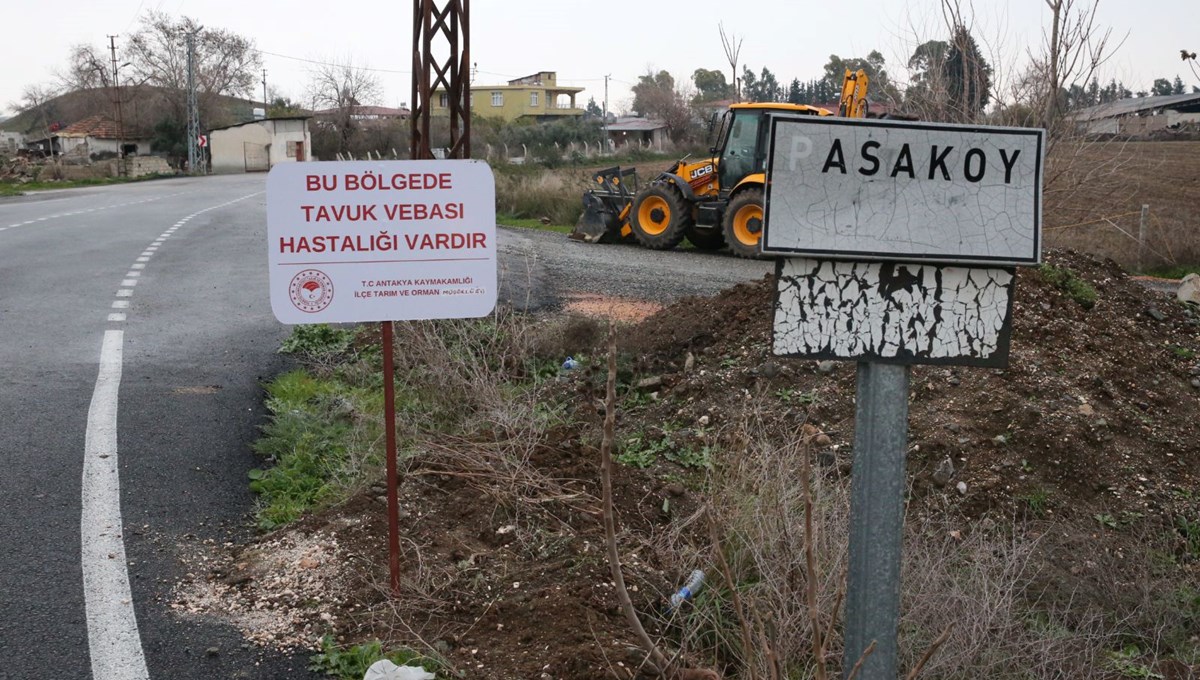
113	641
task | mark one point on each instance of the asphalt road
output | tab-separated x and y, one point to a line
146	305
198	336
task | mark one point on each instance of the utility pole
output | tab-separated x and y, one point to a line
193	113
605	112
266	104
112	48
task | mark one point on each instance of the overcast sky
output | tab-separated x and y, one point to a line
584	41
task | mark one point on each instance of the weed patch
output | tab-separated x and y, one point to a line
351	663
318	340
1069	282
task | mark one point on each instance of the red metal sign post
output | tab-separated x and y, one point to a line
433	24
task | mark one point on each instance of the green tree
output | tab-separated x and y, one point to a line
1177	86
284	106
651	91
768	87
762	88
749	84
968	75
795	93
1161	87
710	85
593	109
874	65
655	96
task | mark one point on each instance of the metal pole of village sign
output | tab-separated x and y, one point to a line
876	517
431	20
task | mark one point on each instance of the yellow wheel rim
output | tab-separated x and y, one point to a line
654	215
747	225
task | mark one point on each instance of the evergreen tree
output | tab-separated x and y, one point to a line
968	75
795	96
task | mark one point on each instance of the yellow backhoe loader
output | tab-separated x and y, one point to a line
713	202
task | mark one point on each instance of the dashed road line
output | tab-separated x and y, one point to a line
90	210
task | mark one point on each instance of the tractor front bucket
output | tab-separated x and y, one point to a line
597	220
606	207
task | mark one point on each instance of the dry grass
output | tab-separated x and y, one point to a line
976	585
550	194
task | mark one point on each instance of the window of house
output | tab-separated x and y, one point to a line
497	99
533	99
444	100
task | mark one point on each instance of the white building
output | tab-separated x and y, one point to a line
259	145
11	141
97	136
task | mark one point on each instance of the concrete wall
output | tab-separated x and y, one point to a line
291	137
260	145
11	141
1140	125
85	147
1176	118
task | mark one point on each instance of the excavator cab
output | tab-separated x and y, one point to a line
742	150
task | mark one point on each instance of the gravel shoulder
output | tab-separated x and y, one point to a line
539	268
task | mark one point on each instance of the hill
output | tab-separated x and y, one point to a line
142	107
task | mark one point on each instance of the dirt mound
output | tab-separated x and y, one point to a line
1098	412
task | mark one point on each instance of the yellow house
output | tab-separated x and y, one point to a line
538	95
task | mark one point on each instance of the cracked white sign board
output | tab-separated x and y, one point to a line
893	312
893	190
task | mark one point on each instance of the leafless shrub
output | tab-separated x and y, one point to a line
469	374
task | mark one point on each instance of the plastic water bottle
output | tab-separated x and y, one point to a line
570	364
694	583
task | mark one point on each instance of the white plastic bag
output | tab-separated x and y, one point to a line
386	670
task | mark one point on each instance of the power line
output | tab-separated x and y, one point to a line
329	63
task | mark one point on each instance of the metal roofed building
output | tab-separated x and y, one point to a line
1138	115
636	130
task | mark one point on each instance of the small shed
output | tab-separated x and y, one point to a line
636	130
259	145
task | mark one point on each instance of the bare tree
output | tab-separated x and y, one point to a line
86	69
1072	51
36	100
336	90
225	63
733	49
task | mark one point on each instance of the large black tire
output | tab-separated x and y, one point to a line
706	238
660	217
743	223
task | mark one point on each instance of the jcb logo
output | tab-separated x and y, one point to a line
701	172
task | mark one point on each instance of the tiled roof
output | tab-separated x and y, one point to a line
99	127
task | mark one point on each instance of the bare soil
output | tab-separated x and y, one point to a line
1093	429
1096	191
